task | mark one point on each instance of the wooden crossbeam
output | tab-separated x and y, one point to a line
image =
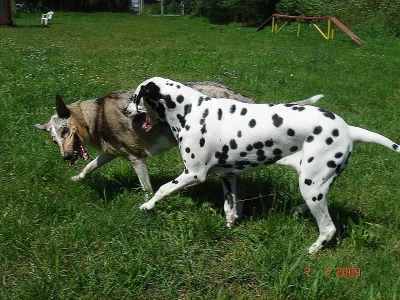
335	21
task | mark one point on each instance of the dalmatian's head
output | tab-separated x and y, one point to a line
63	128
149	99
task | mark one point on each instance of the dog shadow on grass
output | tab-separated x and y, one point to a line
260	197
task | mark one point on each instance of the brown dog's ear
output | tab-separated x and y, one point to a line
61	109
43	126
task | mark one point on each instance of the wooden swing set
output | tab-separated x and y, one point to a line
329	35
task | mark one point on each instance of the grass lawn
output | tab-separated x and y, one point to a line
65	240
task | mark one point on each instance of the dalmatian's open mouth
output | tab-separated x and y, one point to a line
79	151
147	124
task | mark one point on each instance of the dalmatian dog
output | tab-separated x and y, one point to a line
228	138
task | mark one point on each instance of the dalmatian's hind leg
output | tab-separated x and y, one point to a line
232	207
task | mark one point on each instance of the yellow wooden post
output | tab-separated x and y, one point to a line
329	29
273	24
298	29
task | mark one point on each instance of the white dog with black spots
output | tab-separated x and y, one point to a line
229	138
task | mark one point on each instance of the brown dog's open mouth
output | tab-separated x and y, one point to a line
79	151
147	125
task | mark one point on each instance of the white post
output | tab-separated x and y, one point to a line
162	7
182	8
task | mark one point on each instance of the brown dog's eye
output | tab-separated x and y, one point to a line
64	132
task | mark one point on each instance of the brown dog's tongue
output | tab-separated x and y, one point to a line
146	126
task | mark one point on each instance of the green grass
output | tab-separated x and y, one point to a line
66	240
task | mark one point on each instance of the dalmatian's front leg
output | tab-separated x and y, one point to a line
232	207
186	179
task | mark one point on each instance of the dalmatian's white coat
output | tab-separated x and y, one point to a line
229	137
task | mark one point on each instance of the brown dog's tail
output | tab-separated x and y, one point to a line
362	135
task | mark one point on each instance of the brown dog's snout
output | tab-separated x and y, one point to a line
68	156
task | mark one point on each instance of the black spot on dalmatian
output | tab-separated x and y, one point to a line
192	156
233	144
249	148
261	157
327	113
299	108
278	157
308	182
269	143
180	139
186	171
277	120
317	130
258	145
252	123
310	159
331	164
338	169
294	149
203	129
277	151
395	147
187	127
243	154
168	101
254	165
178	86
187	149
205	114
202	142
219	114
335	132
289	104
182	120
338	155
244	111
310	139
239	134
290	132
207	99
201	99
175	181
195	177
223	156
188	109
320	196
233	109
329	141
180	98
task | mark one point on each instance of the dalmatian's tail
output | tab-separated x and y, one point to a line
362	135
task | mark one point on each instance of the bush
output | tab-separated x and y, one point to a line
251	12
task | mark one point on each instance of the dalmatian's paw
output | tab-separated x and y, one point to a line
314	249
147	206
77	177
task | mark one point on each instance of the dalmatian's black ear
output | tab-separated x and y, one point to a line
150	90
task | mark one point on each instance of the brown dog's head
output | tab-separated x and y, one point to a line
63	130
